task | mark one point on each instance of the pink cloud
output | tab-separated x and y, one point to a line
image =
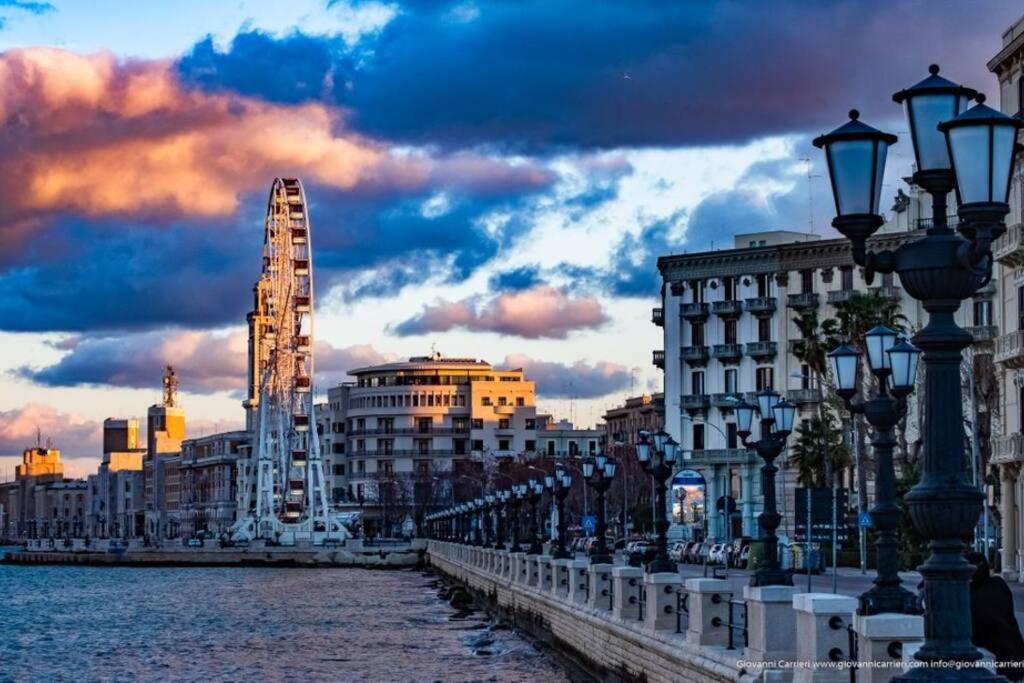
538	312
577	380
73	434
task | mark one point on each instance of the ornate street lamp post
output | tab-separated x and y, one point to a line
503	510
973	152
776	424
518	494
599	474
489	501
560	485
478	521
894	364
659	462
534	490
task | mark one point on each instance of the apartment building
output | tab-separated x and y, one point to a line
116	493
729	332
624	423
208	476
40	502
1008	443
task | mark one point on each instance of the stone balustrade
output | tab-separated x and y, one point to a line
623	622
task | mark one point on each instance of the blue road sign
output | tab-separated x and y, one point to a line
864	520
589	524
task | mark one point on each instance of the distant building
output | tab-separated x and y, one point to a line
389	437
561	439
40	503
624	423
165	430
209	477
116	493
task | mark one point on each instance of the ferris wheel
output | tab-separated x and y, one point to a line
290	488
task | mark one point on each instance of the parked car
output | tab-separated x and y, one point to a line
642	553
744	557
716	554
675	551
693	552
734	550
703	553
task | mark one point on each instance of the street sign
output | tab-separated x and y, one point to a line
864	520
821	509
590	524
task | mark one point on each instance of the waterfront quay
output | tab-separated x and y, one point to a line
106	552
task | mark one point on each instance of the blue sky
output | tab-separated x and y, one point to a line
493	178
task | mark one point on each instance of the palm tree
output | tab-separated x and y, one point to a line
812	350
818	450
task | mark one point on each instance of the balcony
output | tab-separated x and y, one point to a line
728	353
841	296
886	292
1009	248
803	397
1007	449
658	359
694	311
730	310
719	456
762	306
694	355
802	301
762	350
691	402
726	400
983	333
658	316
926	223
1010	350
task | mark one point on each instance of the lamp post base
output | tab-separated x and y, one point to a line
888	601
660	565
601	559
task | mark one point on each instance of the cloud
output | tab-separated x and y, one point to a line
580	380
540	312
537	73
27	6
205	362
72	434
517	279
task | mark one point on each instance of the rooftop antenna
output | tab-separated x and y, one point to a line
810	194
170	388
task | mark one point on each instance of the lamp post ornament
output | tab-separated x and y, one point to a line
534	489
599	473
973	152
560	485
776	418
657	455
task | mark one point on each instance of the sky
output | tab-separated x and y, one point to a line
490	179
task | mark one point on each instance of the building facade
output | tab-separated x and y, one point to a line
116	493
562	439
209	481
646	413
1008	443
165	430
40	502
729	331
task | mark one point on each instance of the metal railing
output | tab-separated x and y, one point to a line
737	621
405	431
640	599
609	591
925	223
682	608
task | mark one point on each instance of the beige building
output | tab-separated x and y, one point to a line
395	434
116	492
208	473
562	439
1008	444
624	423
40	502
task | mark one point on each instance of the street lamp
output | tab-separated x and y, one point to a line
478	514
518	493
894	364
659	462
534	490
776	424
560	485
501	501
489	504
941	270
599	473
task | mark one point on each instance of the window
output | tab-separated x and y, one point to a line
551	448
520	401
387	466
424	424
805	376
503	444
731	435
531	445
386	446
478	444
459	446
730	331
478	423
697	290
422	467
338	448
504	423
982	313
697	334
697	383
764	329
764	284
531	423
361	445
574	448
361	467
765	378
423	446
386	425
730	381
729	288
339	470
807	281
846	278
698	436
485	401
502	401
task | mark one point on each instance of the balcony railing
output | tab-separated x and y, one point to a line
926	223
694	311
983	333
694	355
1010	350
762	305
404	452
695	401
728	353
803	396
1008	448
762	349
841	296
718	455
1009	248
658	316
800	301
405	431
727	309
658	359
887	292
726	400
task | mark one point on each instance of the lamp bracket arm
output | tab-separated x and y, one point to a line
883	261
976	257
